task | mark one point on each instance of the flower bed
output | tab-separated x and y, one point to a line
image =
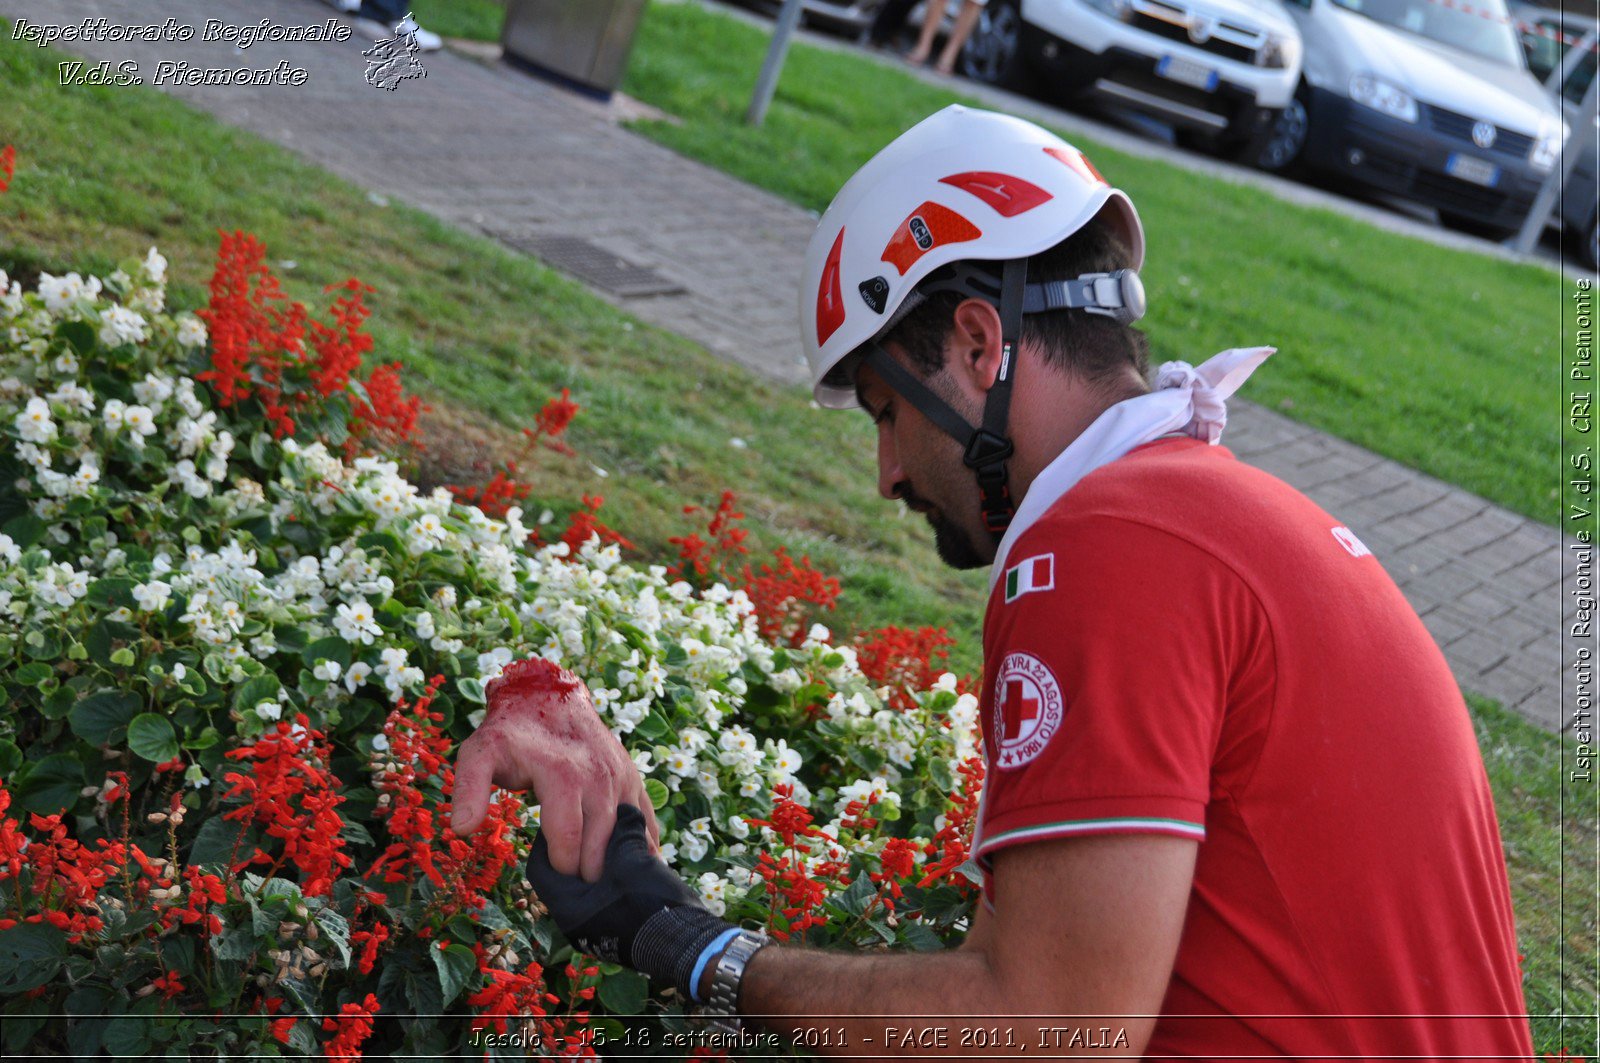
238	648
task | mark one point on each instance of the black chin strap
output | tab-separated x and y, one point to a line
987	447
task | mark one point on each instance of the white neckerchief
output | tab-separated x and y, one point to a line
1186	399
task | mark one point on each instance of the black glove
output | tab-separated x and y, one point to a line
640	914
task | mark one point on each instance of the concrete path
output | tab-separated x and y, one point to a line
492	150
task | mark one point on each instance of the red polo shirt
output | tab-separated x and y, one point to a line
1192	647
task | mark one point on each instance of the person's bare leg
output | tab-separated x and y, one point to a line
930	26
965	21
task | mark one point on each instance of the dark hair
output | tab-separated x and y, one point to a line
1094	348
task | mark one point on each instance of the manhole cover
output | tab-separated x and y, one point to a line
601	268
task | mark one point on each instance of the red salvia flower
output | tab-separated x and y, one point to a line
351	1027
784	595
290	793
8	162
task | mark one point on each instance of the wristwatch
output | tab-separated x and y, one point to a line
722	1005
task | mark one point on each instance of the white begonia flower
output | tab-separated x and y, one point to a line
380	742
155	266
355	622
153	390
750	787
34	423
139	422
738	827
422	624
946	681
694	847
491	664
191	331
712	889
59	293
356	675
119	325
327	671
680	763
66	363
392	659
196	776
10	552
153	596
269	710
785	761
669	853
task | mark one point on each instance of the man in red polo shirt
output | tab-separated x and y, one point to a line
1235	807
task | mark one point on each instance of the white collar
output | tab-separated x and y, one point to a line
1186	399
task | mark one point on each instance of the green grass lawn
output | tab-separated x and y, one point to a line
489	335
1443	360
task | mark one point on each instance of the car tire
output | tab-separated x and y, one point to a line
993	54
1282	148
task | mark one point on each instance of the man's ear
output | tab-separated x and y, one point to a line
975	341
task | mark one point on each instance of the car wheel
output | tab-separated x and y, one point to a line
993	54
1284	144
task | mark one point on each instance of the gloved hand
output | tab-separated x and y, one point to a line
640	914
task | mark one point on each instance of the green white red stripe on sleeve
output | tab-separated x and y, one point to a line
1107	825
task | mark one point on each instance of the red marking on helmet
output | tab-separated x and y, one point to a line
1008	195
939	225
830	297
1078	162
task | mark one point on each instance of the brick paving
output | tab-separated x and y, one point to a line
494	151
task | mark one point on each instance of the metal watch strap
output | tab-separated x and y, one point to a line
722	1006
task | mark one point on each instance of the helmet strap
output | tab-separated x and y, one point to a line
987	447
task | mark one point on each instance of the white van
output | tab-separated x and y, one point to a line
1220	70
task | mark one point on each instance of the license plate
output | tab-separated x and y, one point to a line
1470	169
1187	73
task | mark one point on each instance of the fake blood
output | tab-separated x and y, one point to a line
525	685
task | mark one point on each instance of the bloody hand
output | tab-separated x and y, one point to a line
542	733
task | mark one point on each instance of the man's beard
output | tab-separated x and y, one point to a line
954	546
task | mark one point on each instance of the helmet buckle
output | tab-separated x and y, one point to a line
985	449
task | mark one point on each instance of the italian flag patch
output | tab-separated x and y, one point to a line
1034	574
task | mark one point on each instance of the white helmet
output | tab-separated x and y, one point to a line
961	184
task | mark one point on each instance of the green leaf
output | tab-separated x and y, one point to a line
216	841
128	1035
34	673
10	758
85	1036
920	937
151	737
625	993
335	928
111	593
456	965
25	531
472	690
658	793
79	334
102	717
52	784
653	727
237	944
124	657
254	691
939	769
853	901
331	648
30	956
